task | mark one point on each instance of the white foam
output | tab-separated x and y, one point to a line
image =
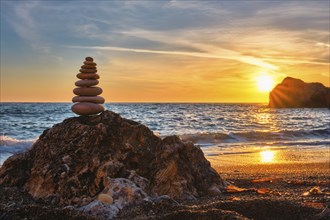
10	146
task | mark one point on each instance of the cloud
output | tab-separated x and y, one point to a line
258	33
21	19
320	44
234	56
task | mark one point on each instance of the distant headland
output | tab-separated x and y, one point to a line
295	93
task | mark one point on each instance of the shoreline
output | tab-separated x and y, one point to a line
289	171
266	155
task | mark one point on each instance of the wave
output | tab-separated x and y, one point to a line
12	145
261	136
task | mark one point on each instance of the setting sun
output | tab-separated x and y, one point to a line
265	83
267	156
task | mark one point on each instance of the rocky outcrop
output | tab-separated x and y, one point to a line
106	158
295	93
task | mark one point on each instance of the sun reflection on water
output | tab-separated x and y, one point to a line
267	156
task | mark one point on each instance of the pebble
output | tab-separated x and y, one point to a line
87	82
90	63
88	70
87	108
88	67
89	59
88	76
105	198
88	91
94	99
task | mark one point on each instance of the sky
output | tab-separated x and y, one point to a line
161	51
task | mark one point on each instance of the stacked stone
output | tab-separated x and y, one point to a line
87	101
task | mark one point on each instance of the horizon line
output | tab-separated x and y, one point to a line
123	102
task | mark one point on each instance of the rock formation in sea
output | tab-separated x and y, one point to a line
102	163
87	101
295	93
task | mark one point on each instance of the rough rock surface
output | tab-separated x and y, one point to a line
82	157
295	93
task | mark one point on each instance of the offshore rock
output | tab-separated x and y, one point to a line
295	93
82	157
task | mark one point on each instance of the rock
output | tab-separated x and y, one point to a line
90	63
87	76
87	82
101	210
93	99
88	70
87	108
214	190
88	67
18	205
105	198
88	91
109	154
295	93
89	59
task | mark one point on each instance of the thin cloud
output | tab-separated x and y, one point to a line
320	44
295	61
237	57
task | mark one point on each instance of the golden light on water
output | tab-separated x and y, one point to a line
267	156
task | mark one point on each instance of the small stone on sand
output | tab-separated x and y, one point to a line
105	198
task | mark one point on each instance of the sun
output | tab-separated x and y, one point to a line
265	83
267	156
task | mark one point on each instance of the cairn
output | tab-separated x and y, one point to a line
87	100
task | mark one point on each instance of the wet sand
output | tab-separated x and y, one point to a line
287	171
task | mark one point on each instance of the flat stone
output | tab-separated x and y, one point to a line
88	91
94	99
105	198
87	82
87	108
90	63
88	67
89	59
87	76
88	70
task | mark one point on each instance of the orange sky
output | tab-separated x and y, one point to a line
162	51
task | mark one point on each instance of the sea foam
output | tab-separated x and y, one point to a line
9	146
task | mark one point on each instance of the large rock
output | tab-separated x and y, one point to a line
109	157
295	93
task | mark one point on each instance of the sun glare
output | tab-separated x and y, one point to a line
265	83
267	156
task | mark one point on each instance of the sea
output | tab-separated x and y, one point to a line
217	128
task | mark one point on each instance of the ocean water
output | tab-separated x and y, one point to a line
219	129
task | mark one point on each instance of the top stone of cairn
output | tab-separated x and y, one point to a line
89	59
